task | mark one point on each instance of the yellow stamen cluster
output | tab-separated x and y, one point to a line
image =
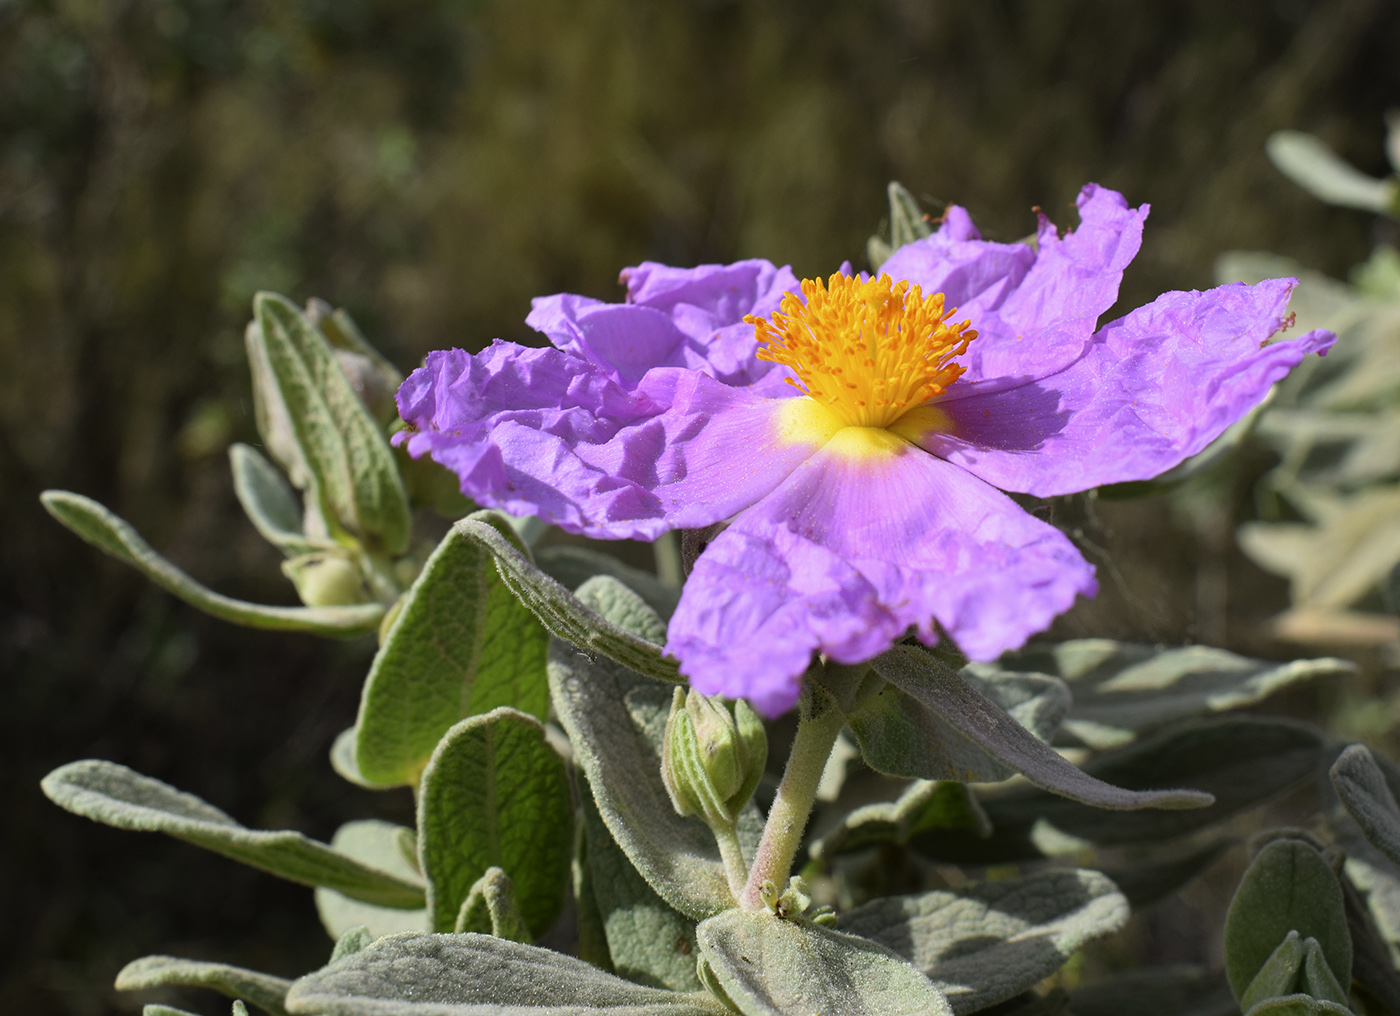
868	351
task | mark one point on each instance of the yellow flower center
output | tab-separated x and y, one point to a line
867	351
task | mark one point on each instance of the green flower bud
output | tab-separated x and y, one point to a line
326	580
713	756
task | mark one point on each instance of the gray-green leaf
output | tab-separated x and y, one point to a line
563	614
648	940
116	796
924	805
907	220
114	535
380	845
490	908
1122	690
947	695
1288	887
987	942
478	975
1298	1005
355	477
495	793
572	566
460	645
269	501
770	967
898	736
1322	173
263	990
1367	798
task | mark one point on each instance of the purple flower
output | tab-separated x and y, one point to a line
852	435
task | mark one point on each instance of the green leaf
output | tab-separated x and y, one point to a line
1280	973
342	755
1122	690
615	720
987	942
1151	874
459	645
495	793
263	990
563	614
648	941
571	567
907	220
1362	788
1318	979
348	457
771	966
490	908
953	699
352	941
107	532
477	975
1241	760
898	736
269	501
1157	991
1298	1005
924	805
380	845
170	1010
116	796
1322	173
1288	887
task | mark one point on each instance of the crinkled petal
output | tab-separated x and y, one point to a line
543	432
674	317
847	555
1034	310
1152	389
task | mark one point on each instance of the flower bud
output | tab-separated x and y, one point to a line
713	756
326	580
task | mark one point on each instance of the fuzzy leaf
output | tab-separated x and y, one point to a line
381	845
263	990
987	942
572	566
770	967
350	461
460	645
1122	690
1280	973
907	219
269	501
114	535
924	805
495	793
899	736
115	795
616	722
1362	788
1241	760
490	908
1288	887
1322	173
352	941
648	940
562	614
1298	1005
478	975
945	694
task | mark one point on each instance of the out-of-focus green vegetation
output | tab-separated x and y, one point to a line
432	165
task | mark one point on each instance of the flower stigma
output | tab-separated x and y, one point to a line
866	355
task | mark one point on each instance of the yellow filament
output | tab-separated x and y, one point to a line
867	351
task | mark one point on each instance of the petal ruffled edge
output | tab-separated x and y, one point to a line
1152	389
848	555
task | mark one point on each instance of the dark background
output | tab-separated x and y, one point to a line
432	165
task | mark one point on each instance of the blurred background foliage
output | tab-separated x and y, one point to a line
432	165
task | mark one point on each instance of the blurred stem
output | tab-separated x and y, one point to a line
667	550
821	720
379	573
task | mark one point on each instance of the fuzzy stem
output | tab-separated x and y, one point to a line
735	870
811	747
